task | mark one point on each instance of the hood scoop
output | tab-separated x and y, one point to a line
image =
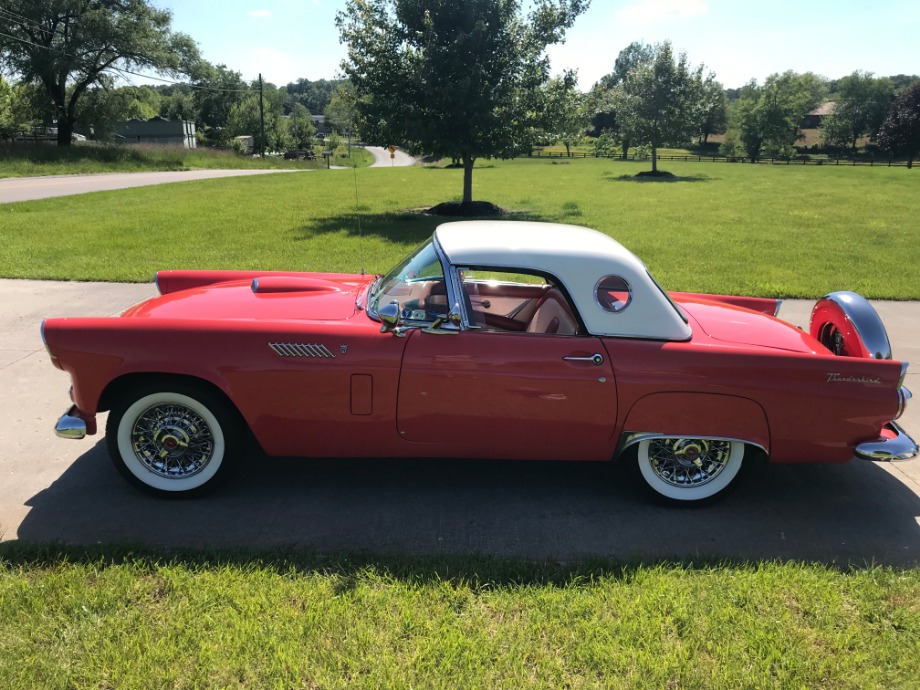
275	284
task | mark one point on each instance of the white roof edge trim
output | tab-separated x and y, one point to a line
578	257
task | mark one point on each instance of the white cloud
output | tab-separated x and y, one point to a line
654	11
260	13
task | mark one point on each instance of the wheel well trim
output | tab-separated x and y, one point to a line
632	438
122	382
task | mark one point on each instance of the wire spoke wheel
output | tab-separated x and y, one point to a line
831	337
173	441
688	470
688	462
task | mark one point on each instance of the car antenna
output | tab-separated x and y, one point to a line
358	215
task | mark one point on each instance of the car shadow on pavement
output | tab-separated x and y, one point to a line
850	514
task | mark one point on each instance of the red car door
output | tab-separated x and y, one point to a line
484	394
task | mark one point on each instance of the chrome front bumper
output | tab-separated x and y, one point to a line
71	425
900	446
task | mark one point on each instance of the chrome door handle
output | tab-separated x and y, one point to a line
597	358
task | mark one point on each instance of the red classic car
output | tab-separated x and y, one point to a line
503	340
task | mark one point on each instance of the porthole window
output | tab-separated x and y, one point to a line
613	294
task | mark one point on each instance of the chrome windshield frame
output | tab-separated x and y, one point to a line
451	283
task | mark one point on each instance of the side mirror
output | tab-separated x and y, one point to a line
389	317
452	319
455	318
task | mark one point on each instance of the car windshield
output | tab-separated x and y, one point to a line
416	284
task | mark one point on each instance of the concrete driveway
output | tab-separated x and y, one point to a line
28	188
382	159
53	489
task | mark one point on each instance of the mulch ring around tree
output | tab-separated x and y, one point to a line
473	209
656	174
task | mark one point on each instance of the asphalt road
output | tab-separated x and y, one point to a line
28	188
67	491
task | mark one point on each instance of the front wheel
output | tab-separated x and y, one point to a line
173	440
688	471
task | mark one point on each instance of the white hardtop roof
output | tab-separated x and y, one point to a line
579	257
493	241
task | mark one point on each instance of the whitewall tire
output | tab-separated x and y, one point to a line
173	441
689	470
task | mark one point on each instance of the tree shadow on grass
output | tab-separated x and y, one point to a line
405	227
411	226
657	180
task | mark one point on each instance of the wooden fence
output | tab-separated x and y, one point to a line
798	160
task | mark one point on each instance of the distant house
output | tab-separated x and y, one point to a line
319	121
158	130
815	117
247	143
810	136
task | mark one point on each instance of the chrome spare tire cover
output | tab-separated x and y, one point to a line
847	325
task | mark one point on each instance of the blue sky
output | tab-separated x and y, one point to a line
737	39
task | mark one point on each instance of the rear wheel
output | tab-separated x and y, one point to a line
687	471
173	440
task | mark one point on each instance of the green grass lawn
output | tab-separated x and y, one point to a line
135	621
25	160
117	619
758	230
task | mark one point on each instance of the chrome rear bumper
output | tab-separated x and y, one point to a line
70	425
900	446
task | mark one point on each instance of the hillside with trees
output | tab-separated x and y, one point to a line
461	81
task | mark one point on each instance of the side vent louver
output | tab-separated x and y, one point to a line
301	350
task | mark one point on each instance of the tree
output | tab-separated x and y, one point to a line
605	118
451	79
862	103
313	95
712	109
902	82
23	107
68	45
900	132
218	90
103	108
657	101
301	127
8	124
766	118
244	119
566	117
179	105
342	111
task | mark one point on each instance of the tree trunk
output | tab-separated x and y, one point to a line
468	161
57	92
910	161
568	152
65	129
654	157
625	149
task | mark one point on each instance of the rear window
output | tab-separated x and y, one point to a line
613	294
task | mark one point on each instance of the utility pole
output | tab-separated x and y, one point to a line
261	120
